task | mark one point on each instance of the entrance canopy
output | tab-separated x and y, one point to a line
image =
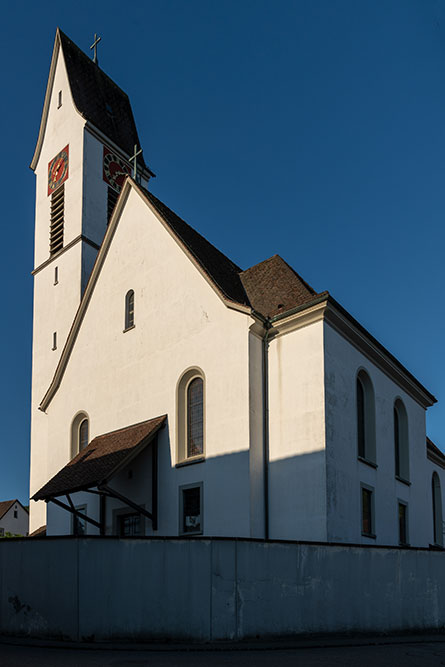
93	468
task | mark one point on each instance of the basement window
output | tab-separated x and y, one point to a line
57	220
367	498
190	509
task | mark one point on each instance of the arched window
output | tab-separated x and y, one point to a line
401	447
437	510
129	310
365	417
83	434
79	433
191	415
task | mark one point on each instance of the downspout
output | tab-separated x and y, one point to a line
267	326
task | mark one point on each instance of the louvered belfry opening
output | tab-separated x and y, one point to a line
112	199
57	219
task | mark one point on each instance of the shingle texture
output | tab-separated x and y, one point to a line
99	461
274	287
99	99
5	506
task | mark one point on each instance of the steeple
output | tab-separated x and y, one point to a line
86	140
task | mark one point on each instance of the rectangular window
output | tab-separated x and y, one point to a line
403	523
15	514
190	510
59	99
57	220
111	202
368	529
79	525
129	525
2	532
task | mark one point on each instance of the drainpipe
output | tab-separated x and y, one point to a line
267	326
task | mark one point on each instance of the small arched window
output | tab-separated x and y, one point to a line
129	310
365	405
401	447
191	415
83	434
79	433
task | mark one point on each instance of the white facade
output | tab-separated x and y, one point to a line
280	455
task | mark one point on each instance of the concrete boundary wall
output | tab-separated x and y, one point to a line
214	589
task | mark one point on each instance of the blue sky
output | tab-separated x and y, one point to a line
312	129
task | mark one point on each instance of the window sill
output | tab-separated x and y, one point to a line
404	481
129	328
371	536
367	462
189	462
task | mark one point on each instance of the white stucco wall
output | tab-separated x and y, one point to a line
345	472
297	483
180	323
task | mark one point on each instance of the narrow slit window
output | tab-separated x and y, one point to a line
129	310
59	99
55	340
403	524
57	220
56	275
367	512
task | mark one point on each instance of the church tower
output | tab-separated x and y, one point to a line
86	140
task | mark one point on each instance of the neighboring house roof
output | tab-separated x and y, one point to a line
103	458
274	287
434	453
5	506
39	532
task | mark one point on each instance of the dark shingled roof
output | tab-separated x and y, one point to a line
434	453
220	269
39	532
5	506
101	459
274	287
99	99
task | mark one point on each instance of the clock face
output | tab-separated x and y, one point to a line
115	169
58	170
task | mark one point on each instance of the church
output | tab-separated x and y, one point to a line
176	394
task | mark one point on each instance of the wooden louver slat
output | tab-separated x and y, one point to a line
57	220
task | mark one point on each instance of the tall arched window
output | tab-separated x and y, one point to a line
79	433
401	446
195	417
365	417
129	309
191	415
437	510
